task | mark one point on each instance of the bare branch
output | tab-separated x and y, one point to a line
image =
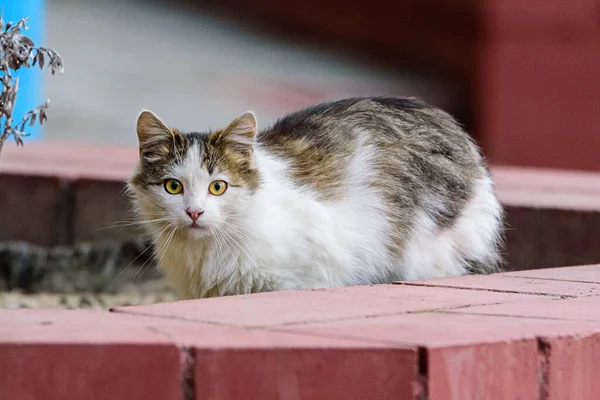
19	51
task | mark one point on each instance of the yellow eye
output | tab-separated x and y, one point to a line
217	188
173	186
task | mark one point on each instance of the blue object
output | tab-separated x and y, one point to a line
31	80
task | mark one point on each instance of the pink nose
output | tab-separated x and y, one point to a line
194	214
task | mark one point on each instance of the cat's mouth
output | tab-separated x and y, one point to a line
194	225
196	231
196	228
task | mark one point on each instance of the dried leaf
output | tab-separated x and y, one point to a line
43	116
32	120
59	64
40	59
24	40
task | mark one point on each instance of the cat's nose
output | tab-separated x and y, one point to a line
194	214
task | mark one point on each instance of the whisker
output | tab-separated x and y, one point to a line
240	246
240	232
219	233
147	263
138	256
142	269
167	244
124	225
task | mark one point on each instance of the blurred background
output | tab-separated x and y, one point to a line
520	75
198	65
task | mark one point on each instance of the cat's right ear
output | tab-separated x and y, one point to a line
155	138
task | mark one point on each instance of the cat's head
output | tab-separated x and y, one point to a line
194	182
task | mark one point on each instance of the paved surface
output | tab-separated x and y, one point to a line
505	336
129	294
194	69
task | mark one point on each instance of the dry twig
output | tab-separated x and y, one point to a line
19	51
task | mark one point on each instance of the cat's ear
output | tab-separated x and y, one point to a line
240	133
155	138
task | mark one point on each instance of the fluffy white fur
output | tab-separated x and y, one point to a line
283	237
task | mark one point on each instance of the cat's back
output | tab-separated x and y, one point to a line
330	145
402	183
332	125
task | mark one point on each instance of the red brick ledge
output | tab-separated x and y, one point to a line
69	161
521	186
530	335
553	215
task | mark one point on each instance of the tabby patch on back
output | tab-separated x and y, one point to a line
351	192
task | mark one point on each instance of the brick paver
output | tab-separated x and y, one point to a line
584	273
514	283
491	337
57	354
569	309
85	355
300	307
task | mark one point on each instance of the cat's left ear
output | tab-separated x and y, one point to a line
240	133
156	139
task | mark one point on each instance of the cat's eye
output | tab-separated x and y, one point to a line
217	188
173	186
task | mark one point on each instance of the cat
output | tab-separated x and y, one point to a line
356	191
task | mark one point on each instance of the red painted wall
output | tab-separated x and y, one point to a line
537	85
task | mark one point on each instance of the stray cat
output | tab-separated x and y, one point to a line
356	191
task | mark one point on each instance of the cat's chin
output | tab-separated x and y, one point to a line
197	231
